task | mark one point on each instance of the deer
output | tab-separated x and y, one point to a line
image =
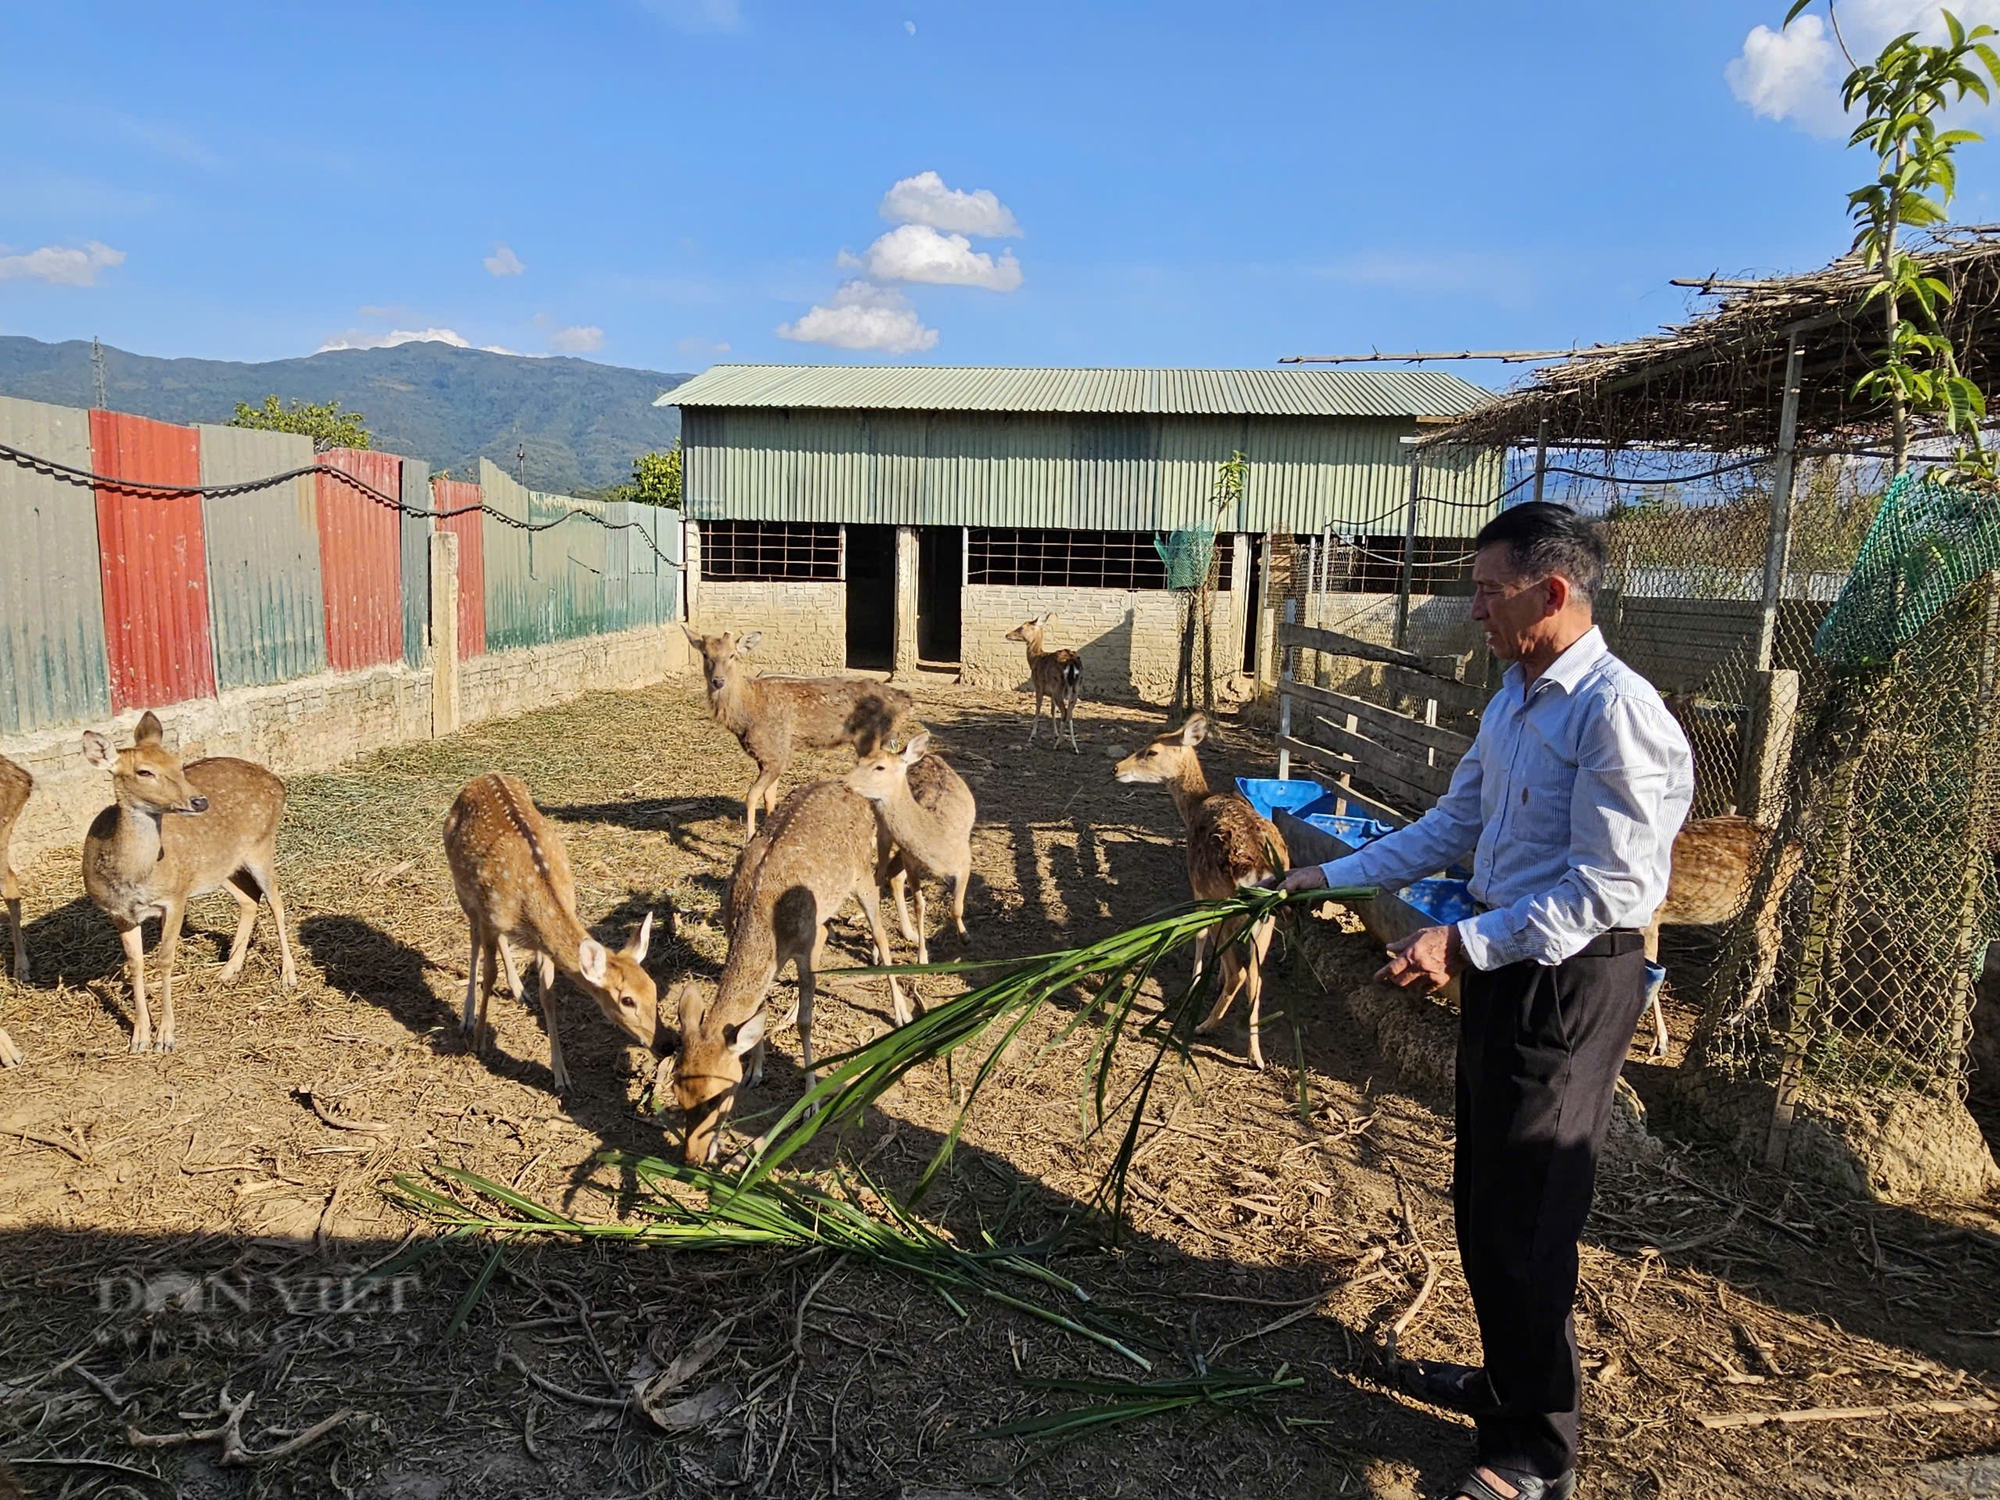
177	832
819	847
772	716
1229	847
1715	865
1057	675
927	811
512	877
15	785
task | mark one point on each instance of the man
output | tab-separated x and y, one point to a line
1568	803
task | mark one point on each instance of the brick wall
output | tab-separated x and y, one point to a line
804	624
1129	638
317	722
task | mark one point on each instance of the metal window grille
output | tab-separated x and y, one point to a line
770	551
1074	559
1374	564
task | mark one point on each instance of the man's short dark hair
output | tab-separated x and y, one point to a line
1544	538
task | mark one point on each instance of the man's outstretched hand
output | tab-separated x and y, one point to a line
1426	959
1304	878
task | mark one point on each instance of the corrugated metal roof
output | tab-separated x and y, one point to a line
1194	393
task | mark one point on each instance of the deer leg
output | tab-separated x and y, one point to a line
1036	722
265	872
762	794
246	918
10	1055
923	942
133	939
871	905
170	943
1200	953
899	884
1069	714
546	972
959	880
1661	1040
10	890
468	1023
507	963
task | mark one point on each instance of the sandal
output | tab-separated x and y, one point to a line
1459	1388
1477	1486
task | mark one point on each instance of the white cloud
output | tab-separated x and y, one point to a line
1795	74
911	27
698	15
582	339
916	252
503	262
863	316
61	265
359	338
924	199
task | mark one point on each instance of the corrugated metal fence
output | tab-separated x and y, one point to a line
114	596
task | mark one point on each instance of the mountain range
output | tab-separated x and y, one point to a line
581	423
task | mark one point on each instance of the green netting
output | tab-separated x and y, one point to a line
1187	555
1928	542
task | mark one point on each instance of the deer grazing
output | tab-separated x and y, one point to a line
1228	847
513	881
1715	865
15	784
1057	675
773	716
818	848
927	811
176	832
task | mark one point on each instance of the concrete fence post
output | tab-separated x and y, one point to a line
905	659
444	634
1767	747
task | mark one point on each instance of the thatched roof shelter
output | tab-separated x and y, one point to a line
1715	382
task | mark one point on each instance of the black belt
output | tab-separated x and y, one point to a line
1610	943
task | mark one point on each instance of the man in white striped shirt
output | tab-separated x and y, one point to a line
1568	803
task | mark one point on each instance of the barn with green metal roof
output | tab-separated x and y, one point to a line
894	517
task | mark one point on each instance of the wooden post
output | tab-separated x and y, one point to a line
1266	619
1541	456
1285	699
1767	745
1778	543
444	633
1970	954
1409	557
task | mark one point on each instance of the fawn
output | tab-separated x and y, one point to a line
15	784
1228	847
513	881
177	832
928	812
772	716
1715	865
819	847
1058	675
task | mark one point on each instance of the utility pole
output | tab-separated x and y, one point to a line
97	373
521	465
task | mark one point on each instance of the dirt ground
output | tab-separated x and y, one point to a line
180	1232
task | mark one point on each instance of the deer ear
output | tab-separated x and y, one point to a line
1194	731
685	999
150	731
748	1035
641	940
1044	619
695	638
592	961
916	749
97	750
749	642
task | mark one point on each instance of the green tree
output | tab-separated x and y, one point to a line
656	478
324	422
1901	94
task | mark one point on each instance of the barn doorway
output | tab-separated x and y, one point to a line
871	598
940	570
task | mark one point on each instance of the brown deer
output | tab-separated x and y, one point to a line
1715	865
1228	847
15	784
819	847
513	881
773	716
176	832
927	811
1057	675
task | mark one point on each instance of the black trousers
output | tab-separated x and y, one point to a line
1539	1051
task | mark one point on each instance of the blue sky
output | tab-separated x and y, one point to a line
668	183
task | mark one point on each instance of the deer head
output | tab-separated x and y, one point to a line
709	1070
148	777
623	990
1164	759
878	776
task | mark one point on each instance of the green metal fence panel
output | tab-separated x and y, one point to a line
416	495
266	608
545	578
53	667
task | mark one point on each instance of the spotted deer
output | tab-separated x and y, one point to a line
1715	866
512	876
773	716
818	848
15	784
1228	847
1057	676
177	832
927	811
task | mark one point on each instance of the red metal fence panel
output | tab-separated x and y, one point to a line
361	559
154	565
458	494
